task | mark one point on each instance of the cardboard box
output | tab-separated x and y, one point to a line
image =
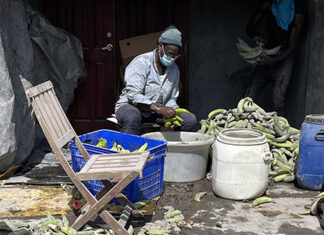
132	47
122	74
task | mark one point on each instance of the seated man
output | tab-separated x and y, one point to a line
152	87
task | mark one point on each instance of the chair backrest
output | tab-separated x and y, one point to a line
52	119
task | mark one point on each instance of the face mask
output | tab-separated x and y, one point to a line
165	60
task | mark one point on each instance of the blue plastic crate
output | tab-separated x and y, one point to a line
145	188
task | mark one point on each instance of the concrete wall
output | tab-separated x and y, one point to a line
218	77
315	81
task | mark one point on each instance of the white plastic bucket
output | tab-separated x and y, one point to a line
187	155
240	164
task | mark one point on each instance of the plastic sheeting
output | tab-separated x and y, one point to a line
7	128
37	51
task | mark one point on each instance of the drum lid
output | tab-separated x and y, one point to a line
315	118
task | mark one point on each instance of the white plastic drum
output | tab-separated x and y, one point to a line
240	164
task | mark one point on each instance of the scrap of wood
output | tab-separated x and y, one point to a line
277	212
10	172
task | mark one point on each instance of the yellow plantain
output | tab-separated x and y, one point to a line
180	110
141	149
279	178
255	53
198	196
243	46
214	113
240	105
261	200
273	51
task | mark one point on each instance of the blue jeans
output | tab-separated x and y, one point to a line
131	118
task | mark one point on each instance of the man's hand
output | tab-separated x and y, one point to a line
166	112
259	41
266	60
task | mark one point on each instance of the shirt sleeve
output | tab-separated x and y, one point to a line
135	81
172	102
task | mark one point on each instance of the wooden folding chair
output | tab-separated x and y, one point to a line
123	168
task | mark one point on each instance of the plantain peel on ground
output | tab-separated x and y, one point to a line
253	55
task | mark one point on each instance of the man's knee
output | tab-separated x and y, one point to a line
129	116
189	121
133	117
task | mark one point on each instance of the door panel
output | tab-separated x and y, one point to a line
90	21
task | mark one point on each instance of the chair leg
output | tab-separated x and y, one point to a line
95	208
125	216
120	197
112	223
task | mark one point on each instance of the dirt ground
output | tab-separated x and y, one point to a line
213	215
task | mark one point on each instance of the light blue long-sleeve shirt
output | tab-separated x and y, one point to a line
144	85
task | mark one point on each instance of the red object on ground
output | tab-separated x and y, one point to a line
76	206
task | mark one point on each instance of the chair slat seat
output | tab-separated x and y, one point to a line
107	166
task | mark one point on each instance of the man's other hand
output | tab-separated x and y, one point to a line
259	41
266	60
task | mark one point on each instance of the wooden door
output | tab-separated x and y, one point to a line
93	22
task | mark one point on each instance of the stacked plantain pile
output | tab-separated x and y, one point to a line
282	138
253	55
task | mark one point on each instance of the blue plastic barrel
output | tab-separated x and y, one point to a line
310	163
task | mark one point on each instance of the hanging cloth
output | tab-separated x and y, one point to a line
284	11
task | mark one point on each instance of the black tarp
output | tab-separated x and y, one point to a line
38	51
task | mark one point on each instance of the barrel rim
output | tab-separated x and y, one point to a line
209	139
257	140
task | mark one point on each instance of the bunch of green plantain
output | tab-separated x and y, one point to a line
253	55
176	119
282	138
119	148
102	143
53	226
